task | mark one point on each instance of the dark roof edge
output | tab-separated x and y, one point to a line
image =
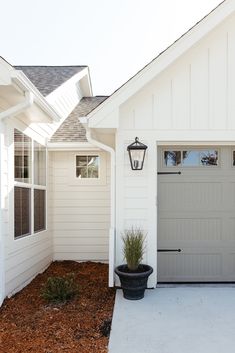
106	97
6	61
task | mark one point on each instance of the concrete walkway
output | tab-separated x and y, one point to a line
175	320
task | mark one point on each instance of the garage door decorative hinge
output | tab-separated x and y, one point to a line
161	173
169	250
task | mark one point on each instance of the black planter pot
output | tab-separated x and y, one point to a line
133	283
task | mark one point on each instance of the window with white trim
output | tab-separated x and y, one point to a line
30	186
87	166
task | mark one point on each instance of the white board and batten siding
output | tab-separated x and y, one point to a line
79	213
195	95
193	101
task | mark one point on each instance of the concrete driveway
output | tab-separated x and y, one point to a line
175	320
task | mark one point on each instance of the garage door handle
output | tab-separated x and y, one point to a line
161	173
169	250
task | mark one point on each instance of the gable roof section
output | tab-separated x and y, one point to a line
160	63
71	130
47	78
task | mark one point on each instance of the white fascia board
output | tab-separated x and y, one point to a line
21	80
165	59
71	146
5	69
89	83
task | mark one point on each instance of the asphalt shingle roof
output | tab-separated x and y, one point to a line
48	78
71	130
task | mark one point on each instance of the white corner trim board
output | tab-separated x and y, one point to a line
112	203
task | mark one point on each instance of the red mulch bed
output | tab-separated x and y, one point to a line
29	324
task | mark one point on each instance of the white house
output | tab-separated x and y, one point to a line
64	161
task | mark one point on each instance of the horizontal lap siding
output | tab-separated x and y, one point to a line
30	261
80	214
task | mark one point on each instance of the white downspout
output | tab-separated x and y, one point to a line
112	196
20	107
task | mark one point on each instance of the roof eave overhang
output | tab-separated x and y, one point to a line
164	60
21	80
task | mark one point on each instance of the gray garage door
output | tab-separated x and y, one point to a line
196	213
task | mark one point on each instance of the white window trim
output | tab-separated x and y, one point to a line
32	187
90	155
101	180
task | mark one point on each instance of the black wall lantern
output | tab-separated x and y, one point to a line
137	154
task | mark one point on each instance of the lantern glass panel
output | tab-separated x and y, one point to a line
137	157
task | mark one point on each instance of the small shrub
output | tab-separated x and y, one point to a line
105	328
60	289
133	247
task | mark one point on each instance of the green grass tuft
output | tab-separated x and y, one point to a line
133	247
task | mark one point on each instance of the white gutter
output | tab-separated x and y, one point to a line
112	228
20	107
71	146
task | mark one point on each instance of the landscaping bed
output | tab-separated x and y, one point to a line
29	324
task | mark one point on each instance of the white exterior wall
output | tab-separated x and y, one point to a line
22	259
3	208
192	101
80	214
194	97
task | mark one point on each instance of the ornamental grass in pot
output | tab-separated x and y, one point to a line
133	275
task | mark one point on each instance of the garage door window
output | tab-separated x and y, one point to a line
172	158
192	158
234	158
